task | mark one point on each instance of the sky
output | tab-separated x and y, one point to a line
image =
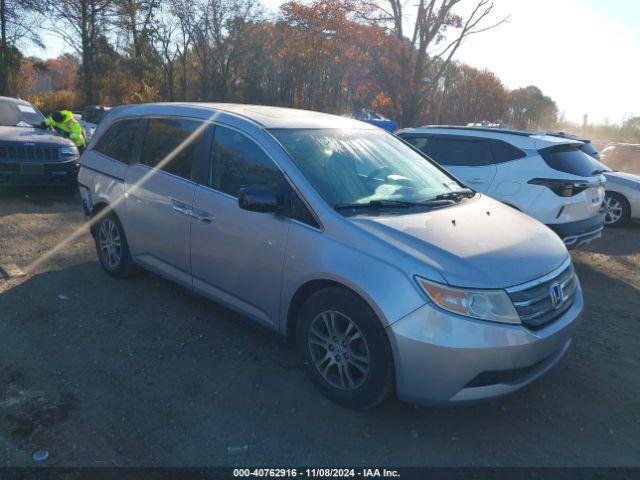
585	54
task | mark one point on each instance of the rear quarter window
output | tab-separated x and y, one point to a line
569	159
504	152
117	142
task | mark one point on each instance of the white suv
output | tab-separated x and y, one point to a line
547	177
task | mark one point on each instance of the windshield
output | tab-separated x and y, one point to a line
18	114
363	166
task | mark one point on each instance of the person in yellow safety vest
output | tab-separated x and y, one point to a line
62	121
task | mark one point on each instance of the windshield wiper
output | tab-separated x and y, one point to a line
598	172
453	195
379	204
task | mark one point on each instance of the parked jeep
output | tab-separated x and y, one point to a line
30	156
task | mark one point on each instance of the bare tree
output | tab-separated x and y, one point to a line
18	22
81	23
137	19
435	37
218	30
167	48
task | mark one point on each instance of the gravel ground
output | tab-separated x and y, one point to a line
104	372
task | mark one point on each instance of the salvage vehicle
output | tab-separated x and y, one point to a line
30	156
622	190
389	274
545	176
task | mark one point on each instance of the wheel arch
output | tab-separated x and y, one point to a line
99	209
305	291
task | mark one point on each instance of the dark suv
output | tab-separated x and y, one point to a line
30	156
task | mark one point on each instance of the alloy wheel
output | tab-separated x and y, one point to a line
110	243
339	351
613	210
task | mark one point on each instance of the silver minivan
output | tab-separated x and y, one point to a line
390	276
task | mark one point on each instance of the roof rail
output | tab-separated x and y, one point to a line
522	133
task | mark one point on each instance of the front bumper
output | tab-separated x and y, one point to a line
442	358
39	174
574	234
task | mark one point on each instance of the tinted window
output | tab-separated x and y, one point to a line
460	152
590	150
504	152
299	210
418	142
569	159
239	162
117	141
164	142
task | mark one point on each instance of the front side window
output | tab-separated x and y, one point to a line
334	161
239	162
569	158
170	145
117	141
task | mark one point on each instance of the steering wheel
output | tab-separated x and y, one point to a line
378	170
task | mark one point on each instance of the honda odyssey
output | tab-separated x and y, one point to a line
390	276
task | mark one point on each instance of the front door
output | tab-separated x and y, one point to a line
159	196
237	256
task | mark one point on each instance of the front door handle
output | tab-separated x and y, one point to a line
477	180
201	216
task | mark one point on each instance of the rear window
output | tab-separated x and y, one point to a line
589	149
569	159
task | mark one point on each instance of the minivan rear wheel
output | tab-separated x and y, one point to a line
112	247
345	348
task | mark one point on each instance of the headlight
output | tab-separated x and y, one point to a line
490	305
69	151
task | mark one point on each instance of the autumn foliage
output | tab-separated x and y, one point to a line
329	55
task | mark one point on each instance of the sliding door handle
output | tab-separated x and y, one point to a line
181	207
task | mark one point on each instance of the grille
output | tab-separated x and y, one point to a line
541	302
29	154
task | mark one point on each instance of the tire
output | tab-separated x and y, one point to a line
348	379
112	248
617	209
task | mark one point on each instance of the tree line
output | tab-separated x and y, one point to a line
328	55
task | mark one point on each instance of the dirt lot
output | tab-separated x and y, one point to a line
103	372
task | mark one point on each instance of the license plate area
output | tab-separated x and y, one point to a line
32	169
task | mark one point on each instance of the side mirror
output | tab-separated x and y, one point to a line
258	199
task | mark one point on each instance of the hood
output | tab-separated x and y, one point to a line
622	178
479	243
42	138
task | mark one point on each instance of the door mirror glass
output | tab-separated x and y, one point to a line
257	199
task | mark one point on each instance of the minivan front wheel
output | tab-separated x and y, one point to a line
345	348
112	248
